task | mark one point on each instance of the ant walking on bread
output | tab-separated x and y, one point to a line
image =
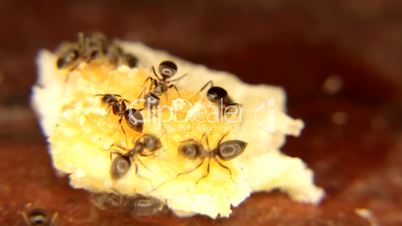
146	145
224	151
118	105
160	83
220	97
194	150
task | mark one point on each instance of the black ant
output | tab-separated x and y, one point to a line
138	205
119	108
90	47
144	146
224	151
219	96
145	205
39	217
160	83
87	48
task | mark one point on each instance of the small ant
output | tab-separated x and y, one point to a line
219	96
87	48
146	145
224	151
138	205
160	83
119	108
92	46
145	205
39	217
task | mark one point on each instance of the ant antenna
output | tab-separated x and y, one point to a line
156	74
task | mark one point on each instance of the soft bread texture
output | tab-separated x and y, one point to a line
80	132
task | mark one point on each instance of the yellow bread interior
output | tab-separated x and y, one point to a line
81	130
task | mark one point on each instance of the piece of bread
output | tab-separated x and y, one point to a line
81	131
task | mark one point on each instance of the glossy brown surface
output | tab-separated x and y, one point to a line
352	139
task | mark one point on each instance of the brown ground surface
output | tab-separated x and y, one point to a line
357	158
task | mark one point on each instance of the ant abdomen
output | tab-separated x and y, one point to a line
167	69
230	149
134	119
120	166
215	94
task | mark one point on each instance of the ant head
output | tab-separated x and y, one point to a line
230	149
215	93
109	98
167	69
191	149
151	142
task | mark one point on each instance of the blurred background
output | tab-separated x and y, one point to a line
339	61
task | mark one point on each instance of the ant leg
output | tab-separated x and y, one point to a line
180	174
145	87
191	170
209	83
227	168
204	135
147	154
177	79
156	74
142	163
186	140
166	96
109	107
81	40
137	173
142	92
220	140
175	87
125	102
205	175
53	220
115	152
122	129
25	217
206	140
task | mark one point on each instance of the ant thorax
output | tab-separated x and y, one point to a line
161	87
151	100
138	147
